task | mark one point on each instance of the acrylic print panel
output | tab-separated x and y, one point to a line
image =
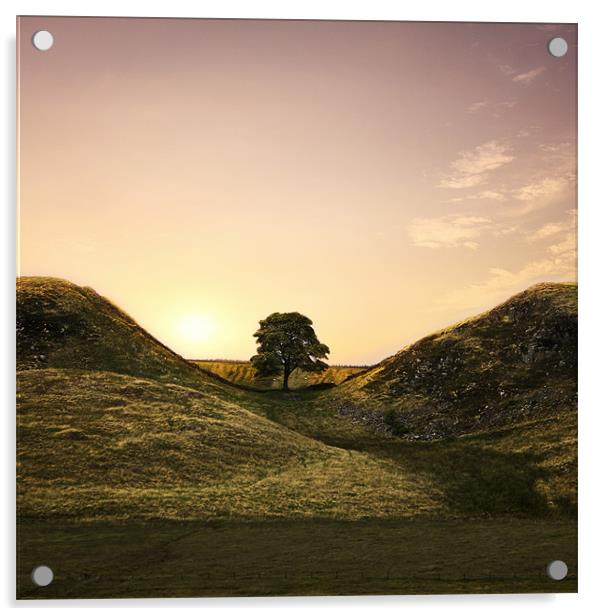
296	308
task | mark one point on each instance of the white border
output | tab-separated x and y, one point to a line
586	13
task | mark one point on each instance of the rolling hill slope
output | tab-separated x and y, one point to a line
99	445
63	325
112	424
513	363
131	461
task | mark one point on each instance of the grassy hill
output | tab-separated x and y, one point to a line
112	424
101	445
513	363
130	453
63	325
131	416
242	373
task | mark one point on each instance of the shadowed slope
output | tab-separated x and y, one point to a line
514	362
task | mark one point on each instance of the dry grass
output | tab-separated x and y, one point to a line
102	445
295	557
128	452
63	325
513	363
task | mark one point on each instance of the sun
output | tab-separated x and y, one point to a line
195	327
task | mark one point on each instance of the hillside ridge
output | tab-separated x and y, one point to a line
64	325
503	365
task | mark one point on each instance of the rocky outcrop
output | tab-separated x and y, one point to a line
514	362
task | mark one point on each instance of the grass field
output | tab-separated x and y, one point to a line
153	477
123	446
242	373
158	490
313	557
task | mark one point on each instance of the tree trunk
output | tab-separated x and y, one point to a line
287	373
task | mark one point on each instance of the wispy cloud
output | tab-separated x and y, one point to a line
529	76
554	229
507	69
505	230
448	231
474	107
558	262
462	181
541	190
559	265
555	181
483	195
472	166
566	248
494	109
518	76
558	148
540	193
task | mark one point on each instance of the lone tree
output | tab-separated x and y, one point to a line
286	341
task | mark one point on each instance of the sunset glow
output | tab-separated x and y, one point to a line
385	179
195	328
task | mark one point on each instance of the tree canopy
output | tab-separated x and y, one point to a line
287	341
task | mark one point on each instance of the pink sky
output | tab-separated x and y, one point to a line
384	178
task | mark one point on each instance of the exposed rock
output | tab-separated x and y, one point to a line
517	361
